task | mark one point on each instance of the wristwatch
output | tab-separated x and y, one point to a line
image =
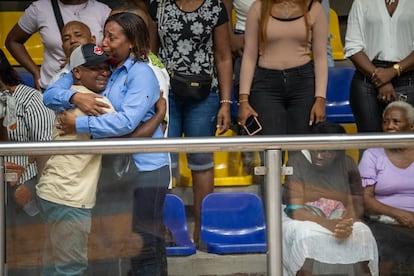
397	68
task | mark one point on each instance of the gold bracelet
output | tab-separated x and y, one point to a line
244	101
226	101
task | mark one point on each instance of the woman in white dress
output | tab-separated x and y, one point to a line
323	200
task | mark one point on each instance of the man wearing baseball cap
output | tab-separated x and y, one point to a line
68	184
87	55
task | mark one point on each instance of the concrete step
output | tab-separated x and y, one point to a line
203	263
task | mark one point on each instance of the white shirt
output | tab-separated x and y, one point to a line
59	74
164	82
372	30
241	8
39	17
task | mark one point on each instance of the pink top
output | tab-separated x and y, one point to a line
39	17
393	186
286	46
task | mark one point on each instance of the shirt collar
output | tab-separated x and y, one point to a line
129	62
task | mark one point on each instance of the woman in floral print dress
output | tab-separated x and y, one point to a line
194	39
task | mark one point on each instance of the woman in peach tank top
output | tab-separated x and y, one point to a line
284	69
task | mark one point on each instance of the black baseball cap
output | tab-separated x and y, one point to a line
86	55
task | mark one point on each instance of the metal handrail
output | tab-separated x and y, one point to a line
209	144
272	145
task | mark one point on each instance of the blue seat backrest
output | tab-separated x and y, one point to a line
174	218
27	78
339	83
338	108
233	218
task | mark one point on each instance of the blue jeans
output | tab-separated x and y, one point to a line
283	99
193	120
149	190
363	99
66	248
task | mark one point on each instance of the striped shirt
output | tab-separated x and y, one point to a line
34	123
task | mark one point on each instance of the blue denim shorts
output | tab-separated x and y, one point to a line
193	120
65	252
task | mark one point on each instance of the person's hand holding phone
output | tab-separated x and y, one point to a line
246	114
252	125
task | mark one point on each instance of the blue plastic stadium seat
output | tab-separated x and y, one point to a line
337	95
27	78
175	220
233	222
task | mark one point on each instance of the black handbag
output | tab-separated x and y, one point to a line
191	87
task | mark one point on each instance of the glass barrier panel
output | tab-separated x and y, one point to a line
140	221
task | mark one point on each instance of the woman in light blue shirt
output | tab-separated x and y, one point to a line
133	90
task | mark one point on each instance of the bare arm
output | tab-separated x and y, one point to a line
229	7
373	206
249	61
319	51
355	203
153	33
236	40
382	77
224	64
407	64
41	161
15	44
362	63
366	67
341	228
350	210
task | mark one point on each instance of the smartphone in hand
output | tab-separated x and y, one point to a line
252	125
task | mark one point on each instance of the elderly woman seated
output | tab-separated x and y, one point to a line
387	178
323	200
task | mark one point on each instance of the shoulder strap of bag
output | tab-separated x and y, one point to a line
58	15
160	15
